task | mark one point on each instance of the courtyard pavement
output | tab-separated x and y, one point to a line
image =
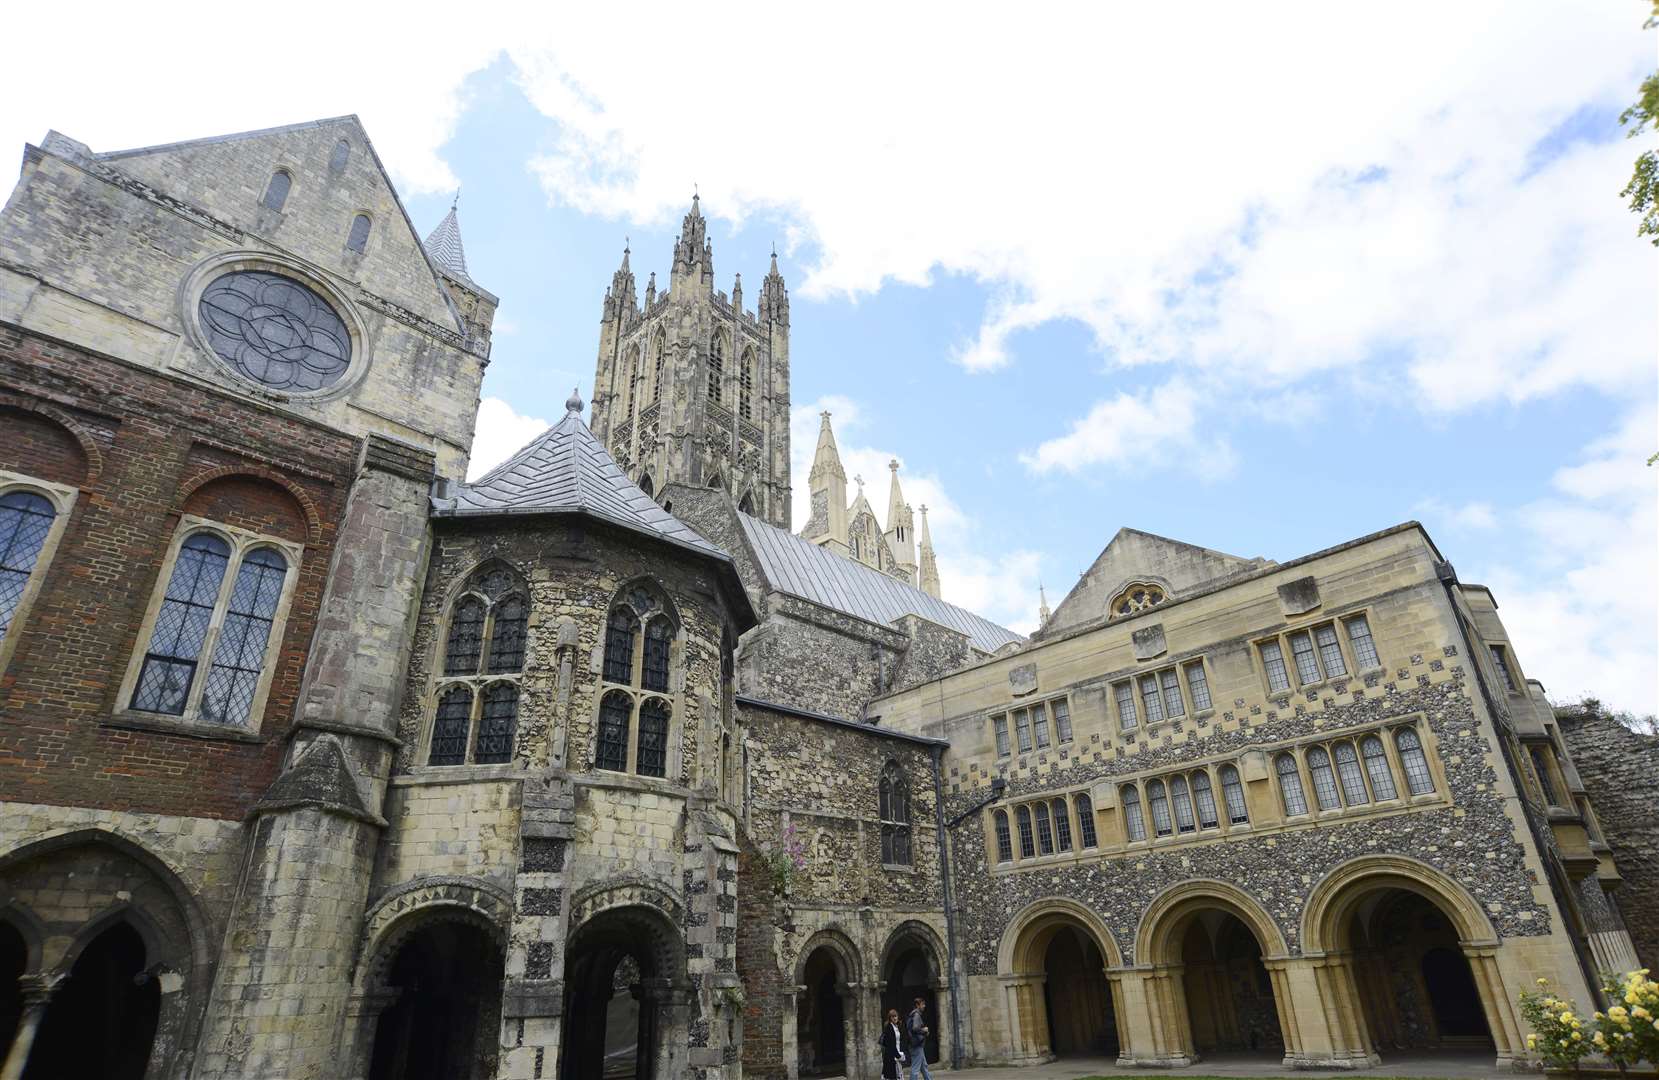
1445	1065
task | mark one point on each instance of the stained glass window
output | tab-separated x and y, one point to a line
1045	835
653	738
275	331
1203	795
449	727
507	636
25	521
1028	847
1085	820
181	626
239	654
1365	649
1324	780
358	239
1159	801
619	646
1290	786
1376	767
1062	825
1134	822
1273	660
1005	843
1232	791
1419	781
893	798
466	637
1126	707
276	192
612	749
658	637
1199	685
1330	653
1353	781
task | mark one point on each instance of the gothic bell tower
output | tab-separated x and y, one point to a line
690	388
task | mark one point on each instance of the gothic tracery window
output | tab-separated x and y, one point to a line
635	726
894	799
475	715
1136	597
717	368
659	352
746	385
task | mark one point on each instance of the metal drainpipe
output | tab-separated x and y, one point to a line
1563	896
950	911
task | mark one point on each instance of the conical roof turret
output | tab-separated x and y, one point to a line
927	574
444	245
826	460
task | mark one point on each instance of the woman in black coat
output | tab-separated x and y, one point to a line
892	1046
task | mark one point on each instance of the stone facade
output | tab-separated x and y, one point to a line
316	764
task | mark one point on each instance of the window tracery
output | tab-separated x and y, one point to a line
746	385
635	730
717	368
894	800
475	717
1136	597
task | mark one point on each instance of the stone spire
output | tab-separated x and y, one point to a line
1042	607
774	297
693	253
621	293
928	573
901	537
445	248
828	484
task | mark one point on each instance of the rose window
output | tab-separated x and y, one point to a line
275	331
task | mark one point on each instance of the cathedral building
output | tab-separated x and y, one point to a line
318	762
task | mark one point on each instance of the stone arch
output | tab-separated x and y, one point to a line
1332	900
1016	955
919	932
1169	910
93	457
407	908
1036	1024
903	979
29	928
821	1022
840	944
311	519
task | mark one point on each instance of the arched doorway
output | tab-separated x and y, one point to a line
446	976
911	967
1055	956
821	1016
1230	1002
622	970
1416	986
1077	997
102	1020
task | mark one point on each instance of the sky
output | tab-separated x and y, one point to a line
1259	277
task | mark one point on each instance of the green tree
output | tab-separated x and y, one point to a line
1643	189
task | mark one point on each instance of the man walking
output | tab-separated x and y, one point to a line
916	1027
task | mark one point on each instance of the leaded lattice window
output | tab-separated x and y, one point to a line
1203	796
1365	647
1000	726
1330	653
182	625
1005	842
239	654
611	747
1377	768
1045	834
485	651
466	637
654	673
1419	781
1028	846
1039	725
1173	706
1501	662
1199	685
450	726
1324	779
1307	664
620	632
1062	825
275	331
1134	822
1158	800
1273	662
1022	728
511	617
1062	720
1290	785
1182	800
1353	780
497	721
1127	719
1085	820
1152	699
1546	782
894	806
1232	793
653	738
25	522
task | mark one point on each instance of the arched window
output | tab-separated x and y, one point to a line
1085	820
659	352
621	630
1022	818
1353	781
1062	825
1005	842
239	656
1159	802
747	503
1419	781
484	653
181	629
1203	796
653	738
717	368
654	670
894	798
647	486
342	154
1377	768
1324	780
634	391
1135	598
25	522
611	750
1134	822
1179	795
276	192
358	239
746	385
1045	835
1232	792
1290	785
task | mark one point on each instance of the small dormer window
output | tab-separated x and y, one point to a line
276	192
1137	597
358	239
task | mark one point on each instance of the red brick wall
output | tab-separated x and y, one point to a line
757	963
159	447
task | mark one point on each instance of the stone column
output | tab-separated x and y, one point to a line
1495	1002
363	1014
1343	1042
37	995
941	1020
1154	1004
1027	1019
790	1037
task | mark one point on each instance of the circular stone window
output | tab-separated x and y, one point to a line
275	331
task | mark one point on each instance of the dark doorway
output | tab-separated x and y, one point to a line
1453	996
14	961
821	1018
102	1020
910	976
443	1024
1078	997
614	991
1230	1000
1414	982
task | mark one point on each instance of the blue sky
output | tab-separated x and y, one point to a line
1262	280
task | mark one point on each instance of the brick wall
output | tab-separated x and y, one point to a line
757	962
142	448
1620	770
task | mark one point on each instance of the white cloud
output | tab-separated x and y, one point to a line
1130	429
1473	516
501	431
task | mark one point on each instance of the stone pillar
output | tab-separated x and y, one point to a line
941	1020
1027	1019
1496	1002
1154	1016
790	1034
37	995
363	1012
1329	1021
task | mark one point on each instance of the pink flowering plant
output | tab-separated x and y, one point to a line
784	860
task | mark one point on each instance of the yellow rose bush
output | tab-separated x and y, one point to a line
1558	1035
1626	1034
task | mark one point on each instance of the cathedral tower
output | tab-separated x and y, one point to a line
690	388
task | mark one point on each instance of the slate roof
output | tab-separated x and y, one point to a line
565	470
804	569
445	248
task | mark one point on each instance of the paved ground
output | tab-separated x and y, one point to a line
1447	1066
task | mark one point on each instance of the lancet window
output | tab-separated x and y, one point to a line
635	730
894	805
476	694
